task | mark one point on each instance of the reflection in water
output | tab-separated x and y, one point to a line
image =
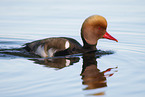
58	63
61	62
91	75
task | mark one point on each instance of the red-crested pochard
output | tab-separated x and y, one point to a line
93	29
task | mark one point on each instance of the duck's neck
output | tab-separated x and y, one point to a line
88	47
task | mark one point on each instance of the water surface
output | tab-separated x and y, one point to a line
120	74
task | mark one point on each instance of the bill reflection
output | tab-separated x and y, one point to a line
92	77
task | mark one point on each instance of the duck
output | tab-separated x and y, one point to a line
93	29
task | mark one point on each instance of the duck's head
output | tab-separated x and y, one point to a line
94	28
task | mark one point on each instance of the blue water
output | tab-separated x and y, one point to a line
23	21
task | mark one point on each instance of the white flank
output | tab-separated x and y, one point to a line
67	44
67	62
40	51
51	51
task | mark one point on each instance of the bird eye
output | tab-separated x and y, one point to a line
99	28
